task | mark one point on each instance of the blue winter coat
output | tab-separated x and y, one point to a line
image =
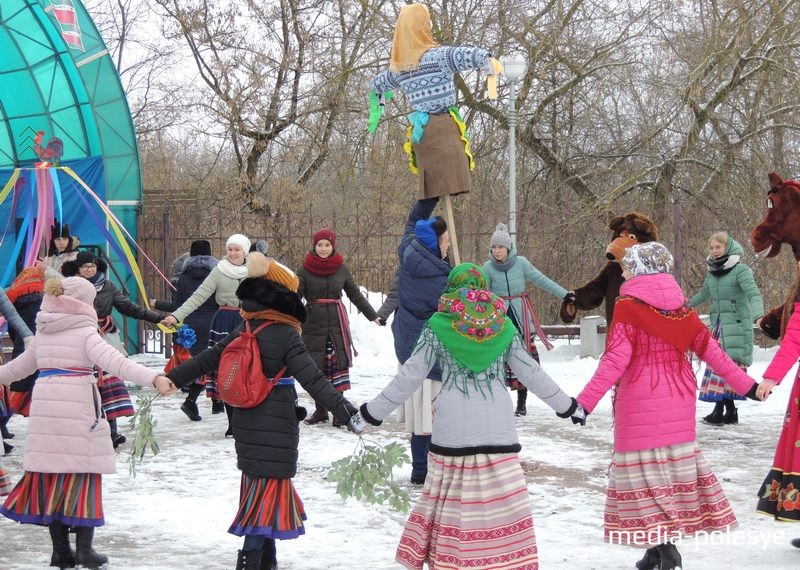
422	279
512	282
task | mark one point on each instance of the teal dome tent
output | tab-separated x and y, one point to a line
56	77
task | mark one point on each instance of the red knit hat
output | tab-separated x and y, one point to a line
324	233
30	280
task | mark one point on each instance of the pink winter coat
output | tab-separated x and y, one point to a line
652	406
67	432
789	350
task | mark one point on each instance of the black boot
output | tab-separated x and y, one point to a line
650	559
86	556
229	412
795	542
189	407
4	430
249	560
320	415
7	448
63	556
522	397
269	559
670	557
116	438
217	407
716	418
731	413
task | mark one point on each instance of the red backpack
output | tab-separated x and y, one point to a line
240	377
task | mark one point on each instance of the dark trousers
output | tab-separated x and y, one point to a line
419	455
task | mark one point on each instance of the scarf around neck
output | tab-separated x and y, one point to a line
271	315
233	271
504	266
719	266
471	321
98	280
323	266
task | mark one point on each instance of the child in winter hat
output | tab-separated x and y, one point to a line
501	237
647	259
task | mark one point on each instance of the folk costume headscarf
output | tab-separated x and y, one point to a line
678	327
471	321
412	38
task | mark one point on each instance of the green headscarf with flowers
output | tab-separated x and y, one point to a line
471	321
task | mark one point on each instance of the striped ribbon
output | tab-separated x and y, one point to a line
344	323
44	372
528	316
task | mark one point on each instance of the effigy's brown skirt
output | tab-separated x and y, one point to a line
441	159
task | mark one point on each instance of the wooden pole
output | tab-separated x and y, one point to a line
451	227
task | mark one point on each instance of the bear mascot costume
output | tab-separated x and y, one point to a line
630	229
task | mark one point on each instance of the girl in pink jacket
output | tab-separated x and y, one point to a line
660	486
68	445
779	495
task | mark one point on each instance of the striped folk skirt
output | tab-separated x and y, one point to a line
75	499
222	323
340	378
474	513
778	495
115	397
5	480
268	507
657	495
715	389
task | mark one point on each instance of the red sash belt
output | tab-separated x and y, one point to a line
344	322
528	316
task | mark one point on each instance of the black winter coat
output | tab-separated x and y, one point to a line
195	270
27	307
267	436
323	319
109	298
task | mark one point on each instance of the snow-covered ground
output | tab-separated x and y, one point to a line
175	513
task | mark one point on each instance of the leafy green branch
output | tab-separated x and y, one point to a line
367	475
142	427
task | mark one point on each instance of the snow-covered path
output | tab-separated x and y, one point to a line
176	512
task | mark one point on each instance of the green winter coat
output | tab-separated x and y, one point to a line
323	319
736	303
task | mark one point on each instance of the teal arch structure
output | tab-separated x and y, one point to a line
56	75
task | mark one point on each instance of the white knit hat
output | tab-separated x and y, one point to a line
241	241
501	237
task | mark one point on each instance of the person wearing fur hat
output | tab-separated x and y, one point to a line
735	305
507	273
326	334
267	435
68	448
660	486
220	285
195	269
116	399
62	248
475	487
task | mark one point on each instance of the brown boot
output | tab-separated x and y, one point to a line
320	415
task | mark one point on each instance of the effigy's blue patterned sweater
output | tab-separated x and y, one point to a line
430	87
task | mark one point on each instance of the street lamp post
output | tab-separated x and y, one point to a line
514	67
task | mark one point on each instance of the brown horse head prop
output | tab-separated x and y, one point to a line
782	222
